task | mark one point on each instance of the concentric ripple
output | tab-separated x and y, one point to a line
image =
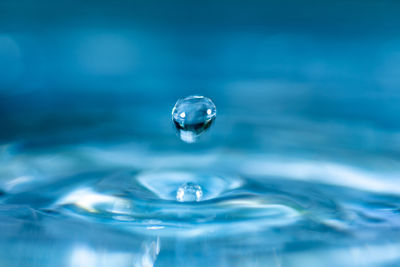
150	202
137	192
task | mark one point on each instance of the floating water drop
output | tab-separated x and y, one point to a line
189	192
192	116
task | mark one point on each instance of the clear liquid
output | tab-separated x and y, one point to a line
302	168
192	116
277	209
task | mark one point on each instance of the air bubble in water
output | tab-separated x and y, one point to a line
189	192
192	116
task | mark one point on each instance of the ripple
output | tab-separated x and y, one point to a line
225	208
124	189
229	205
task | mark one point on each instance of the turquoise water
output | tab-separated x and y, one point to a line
116	204
301	167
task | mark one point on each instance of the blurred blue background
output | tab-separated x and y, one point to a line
92	70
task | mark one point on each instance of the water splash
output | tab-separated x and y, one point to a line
189	192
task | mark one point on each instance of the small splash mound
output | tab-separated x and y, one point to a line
171	185
192	116
189	192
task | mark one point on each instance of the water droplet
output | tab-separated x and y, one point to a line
189	192
192	116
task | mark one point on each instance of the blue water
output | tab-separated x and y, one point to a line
301	167
101	205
